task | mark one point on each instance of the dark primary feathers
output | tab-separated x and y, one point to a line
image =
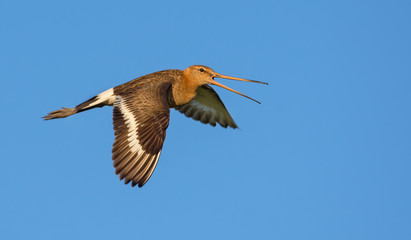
139	138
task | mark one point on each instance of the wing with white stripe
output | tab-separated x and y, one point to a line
140	128
207	107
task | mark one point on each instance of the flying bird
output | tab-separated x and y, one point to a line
141	114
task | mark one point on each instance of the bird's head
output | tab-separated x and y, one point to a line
200	75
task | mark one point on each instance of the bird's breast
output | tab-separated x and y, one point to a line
182	94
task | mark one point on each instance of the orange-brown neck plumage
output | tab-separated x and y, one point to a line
184	89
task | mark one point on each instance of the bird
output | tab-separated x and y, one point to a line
141	112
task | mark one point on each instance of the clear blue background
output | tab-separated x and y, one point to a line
326	156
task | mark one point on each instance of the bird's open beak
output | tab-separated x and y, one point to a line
237	79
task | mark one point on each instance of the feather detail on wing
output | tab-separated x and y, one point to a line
140	128
207	108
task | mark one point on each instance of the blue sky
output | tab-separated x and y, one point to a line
325	156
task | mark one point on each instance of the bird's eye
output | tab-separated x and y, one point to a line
201	69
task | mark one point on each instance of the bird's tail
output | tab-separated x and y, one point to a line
102	99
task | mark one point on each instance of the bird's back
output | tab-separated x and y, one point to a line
149	82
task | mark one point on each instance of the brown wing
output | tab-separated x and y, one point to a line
207	107
140	124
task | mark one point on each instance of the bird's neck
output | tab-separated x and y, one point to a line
184	90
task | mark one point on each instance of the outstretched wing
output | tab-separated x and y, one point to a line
207	107
140	124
